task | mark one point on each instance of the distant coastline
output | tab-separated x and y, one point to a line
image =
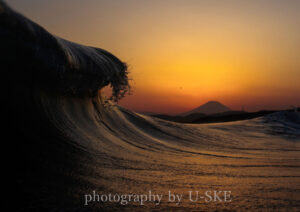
200	118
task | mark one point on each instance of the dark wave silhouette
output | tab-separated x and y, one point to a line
56	64
64	139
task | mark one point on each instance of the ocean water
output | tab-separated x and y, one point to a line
75	150
256	160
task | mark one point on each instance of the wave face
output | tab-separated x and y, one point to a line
69	140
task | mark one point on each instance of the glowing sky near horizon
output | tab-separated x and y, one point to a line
184	53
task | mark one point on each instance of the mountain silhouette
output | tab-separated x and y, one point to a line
209	108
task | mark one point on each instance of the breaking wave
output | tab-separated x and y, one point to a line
53	63
67	139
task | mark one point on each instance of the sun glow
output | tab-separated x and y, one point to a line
184	53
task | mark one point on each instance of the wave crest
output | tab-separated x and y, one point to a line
56	64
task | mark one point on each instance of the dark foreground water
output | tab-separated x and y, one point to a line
70	149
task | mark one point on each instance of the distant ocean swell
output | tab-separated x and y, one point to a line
69	140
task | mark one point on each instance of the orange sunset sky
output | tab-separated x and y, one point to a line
184	53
